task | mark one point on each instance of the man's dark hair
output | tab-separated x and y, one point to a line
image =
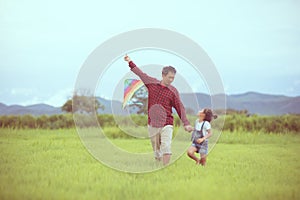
168	69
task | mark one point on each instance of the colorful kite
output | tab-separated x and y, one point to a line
134	90
130	87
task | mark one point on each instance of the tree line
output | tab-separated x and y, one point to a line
233	122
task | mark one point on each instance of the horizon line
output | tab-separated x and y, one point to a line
236	94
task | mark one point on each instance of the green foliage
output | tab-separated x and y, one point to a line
31	122
233	123
266	124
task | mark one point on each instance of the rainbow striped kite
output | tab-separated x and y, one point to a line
131	87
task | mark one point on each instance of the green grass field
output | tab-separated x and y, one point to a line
53	164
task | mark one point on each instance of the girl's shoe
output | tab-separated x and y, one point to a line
203	161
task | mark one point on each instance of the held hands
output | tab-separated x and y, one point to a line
200	140
127	58
188	128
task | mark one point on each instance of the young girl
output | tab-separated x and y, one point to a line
200	136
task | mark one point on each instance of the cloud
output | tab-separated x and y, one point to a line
295	88
30	96
22	91
33	100
297	82
21	96
59	98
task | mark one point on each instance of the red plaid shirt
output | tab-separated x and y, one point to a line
161	99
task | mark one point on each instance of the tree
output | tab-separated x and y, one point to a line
67	107
82	104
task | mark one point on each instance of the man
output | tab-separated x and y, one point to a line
162	96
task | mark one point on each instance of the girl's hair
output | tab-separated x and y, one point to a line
209	115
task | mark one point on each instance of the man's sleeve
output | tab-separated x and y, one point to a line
180	108
143	76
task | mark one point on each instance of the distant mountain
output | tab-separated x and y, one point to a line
44	109
265	104
37	109
255	103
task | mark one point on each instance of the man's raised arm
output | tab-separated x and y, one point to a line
143	76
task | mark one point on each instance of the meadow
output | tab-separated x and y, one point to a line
54	164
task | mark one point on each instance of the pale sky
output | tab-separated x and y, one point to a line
255	45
